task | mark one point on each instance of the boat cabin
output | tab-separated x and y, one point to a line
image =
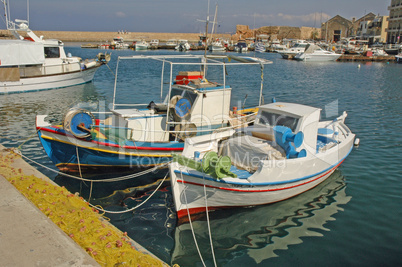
190	106
298	121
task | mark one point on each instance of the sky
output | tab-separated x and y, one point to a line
182	16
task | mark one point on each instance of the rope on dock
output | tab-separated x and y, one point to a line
107	245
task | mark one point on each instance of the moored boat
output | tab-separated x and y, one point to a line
139	136
316	53
285	153
32	63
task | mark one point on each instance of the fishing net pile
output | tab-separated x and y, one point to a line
88	228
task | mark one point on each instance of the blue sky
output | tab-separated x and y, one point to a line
182	15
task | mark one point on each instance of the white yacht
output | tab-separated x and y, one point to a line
290	53
316	53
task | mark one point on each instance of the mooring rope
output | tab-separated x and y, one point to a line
136	207
191	224
116	179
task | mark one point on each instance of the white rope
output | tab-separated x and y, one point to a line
136	207
116	179
191	224
207	213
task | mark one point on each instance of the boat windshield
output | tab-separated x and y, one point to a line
271	119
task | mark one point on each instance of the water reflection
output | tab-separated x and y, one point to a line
257	233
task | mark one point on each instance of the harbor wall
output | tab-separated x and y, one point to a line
102	37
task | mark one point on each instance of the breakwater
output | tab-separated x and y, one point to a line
74	36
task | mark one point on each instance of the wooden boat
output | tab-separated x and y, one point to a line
285	153
141	136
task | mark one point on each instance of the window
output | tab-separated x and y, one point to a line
272	119
52	52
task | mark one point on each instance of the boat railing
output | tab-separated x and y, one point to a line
244	121
38	70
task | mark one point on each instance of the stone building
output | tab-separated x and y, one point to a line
394	22
367	26
277	32
336	28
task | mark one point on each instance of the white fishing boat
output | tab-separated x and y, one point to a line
285	153
259	47
316	53
171	43
217	46
118	43
183	45
32	63
141	45
241	46
140	136
154	43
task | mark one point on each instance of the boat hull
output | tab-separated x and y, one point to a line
71	154
282	181
46	82
318	58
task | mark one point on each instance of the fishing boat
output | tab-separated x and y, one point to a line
140	136
316	53
141	45
118	43
183	45
241	46
31	63
285	153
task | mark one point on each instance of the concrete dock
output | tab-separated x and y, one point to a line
29	237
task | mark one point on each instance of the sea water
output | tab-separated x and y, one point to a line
353	218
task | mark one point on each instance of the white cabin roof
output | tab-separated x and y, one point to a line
20	52
292	109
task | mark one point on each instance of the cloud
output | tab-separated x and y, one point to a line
120	14
305	18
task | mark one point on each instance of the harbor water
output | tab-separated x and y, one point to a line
352	219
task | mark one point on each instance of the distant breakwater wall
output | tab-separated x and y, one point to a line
102	37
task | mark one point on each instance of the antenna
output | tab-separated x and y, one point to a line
28	11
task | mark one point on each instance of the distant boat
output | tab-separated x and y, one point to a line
141	45
171	43
316	53
298	47
33	63
118	43
259	47
154	43
183	45
241	46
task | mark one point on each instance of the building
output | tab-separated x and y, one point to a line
336	28
373	30
394	22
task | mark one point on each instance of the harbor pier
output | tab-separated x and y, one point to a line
43	224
